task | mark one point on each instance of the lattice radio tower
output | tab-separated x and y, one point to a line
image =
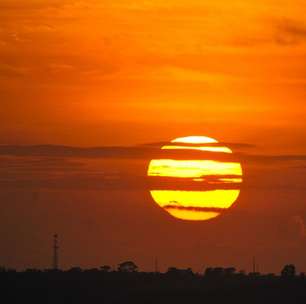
55	252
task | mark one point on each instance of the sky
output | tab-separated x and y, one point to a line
124	75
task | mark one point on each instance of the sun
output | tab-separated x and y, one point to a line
197	180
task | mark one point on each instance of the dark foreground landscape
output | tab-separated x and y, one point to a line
216	285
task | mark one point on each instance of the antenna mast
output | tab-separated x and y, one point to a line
55	252
254	265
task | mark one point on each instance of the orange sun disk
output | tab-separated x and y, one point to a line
196	205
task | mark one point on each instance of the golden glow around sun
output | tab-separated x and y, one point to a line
187	204
194	140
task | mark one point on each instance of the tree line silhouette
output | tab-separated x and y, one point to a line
126	284
288	270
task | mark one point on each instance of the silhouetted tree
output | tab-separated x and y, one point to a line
222	285
172	270
229	271
254	274
288	271
214	272
92	270
75	269
32	270
180	272
270	276
105	268
11	270
127	266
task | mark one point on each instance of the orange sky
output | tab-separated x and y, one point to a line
91	66
117	73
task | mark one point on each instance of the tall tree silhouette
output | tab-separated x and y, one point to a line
288	271
127	266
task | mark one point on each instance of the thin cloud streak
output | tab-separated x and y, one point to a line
141	152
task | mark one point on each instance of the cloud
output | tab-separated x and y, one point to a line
102	168
210	182
290	32
226	144
32	172
271	158
283	32
7	70
32	5
13	163
66	151
144	152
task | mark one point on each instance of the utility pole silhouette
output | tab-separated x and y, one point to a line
55	252
254	265
257	267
